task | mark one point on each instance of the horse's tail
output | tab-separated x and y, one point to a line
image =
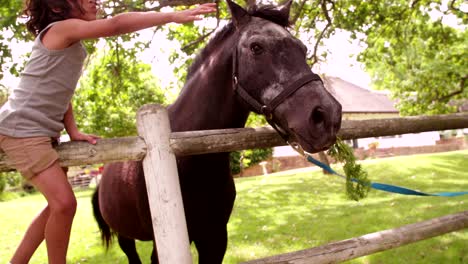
106	233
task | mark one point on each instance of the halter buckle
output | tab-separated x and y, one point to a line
295	146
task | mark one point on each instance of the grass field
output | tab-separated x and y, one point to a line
288	212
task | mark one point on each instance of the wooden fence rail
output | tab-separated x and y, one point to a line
226	140
371	243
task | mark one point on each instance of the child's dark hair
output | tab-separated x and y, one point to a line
41	13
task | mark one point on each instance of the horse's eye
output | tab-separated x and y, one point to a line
256	48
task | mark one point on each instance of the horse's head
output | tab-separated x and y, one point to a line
271	74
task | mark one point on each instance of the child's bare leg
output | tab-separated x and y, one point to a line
32	238
53	184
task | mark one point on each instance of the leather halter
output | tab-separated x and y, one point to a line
268	109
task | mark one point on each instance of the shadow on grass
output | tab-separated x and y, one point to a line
114	255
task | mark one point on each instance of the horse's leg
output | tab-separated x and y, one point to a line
212	247
128	247
154	255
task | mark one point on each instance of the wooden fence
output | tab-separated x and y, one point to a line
158	147
372	243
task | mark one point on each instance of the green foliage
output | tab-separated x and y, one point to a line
10	179
410	51
243	159
418	57
410	48
3	94
357	184
252	156
2	183
255	120
114	86
10	11
191	39
235	161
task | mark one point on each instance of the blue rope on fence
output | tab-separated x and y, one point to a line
385	187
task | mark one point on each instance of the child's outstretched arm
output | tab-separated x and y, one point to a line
74	30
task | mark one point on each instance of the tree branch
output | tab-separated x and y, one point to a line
452	7
461	90
323	5
413	4
203	37
298	13
198	40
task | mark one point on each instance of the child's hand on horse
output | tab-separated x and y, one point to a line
193	14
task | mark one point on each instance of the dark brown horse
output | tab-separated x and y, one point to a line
252	64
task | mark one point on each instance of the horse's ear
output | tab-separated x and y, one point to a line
286	8
239	15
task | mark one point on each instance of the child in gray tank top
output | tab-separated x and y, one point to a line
39	108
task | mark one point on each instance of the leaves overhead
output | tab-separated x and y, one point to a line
416	49
111	93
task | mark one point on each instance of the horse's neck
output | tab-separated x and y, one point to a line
207	100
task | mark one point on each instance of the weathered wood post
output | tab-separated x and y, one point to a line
162	184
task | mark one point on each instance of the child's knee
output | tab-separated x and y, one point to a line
66	206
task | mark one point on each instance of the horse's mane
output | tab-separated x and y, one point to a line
267	12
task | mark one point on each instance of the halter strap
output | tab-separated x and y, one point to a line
268	109
292	88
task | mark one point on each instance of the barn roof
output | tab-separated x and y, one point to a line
355	99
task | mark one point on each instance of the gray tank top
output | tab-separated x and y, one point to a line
37	106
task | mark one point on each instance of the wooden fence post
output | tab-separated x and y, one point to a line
162	184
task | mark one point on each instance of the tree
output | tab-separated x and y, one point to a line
411	50
115	85
420	58
3	94
9	23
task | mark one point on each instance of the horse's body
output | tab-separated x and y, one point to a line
208	101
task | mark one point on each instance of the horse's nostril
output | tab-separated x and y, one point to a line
318	115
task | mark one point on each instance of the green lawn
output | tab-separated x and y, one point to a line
288	212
